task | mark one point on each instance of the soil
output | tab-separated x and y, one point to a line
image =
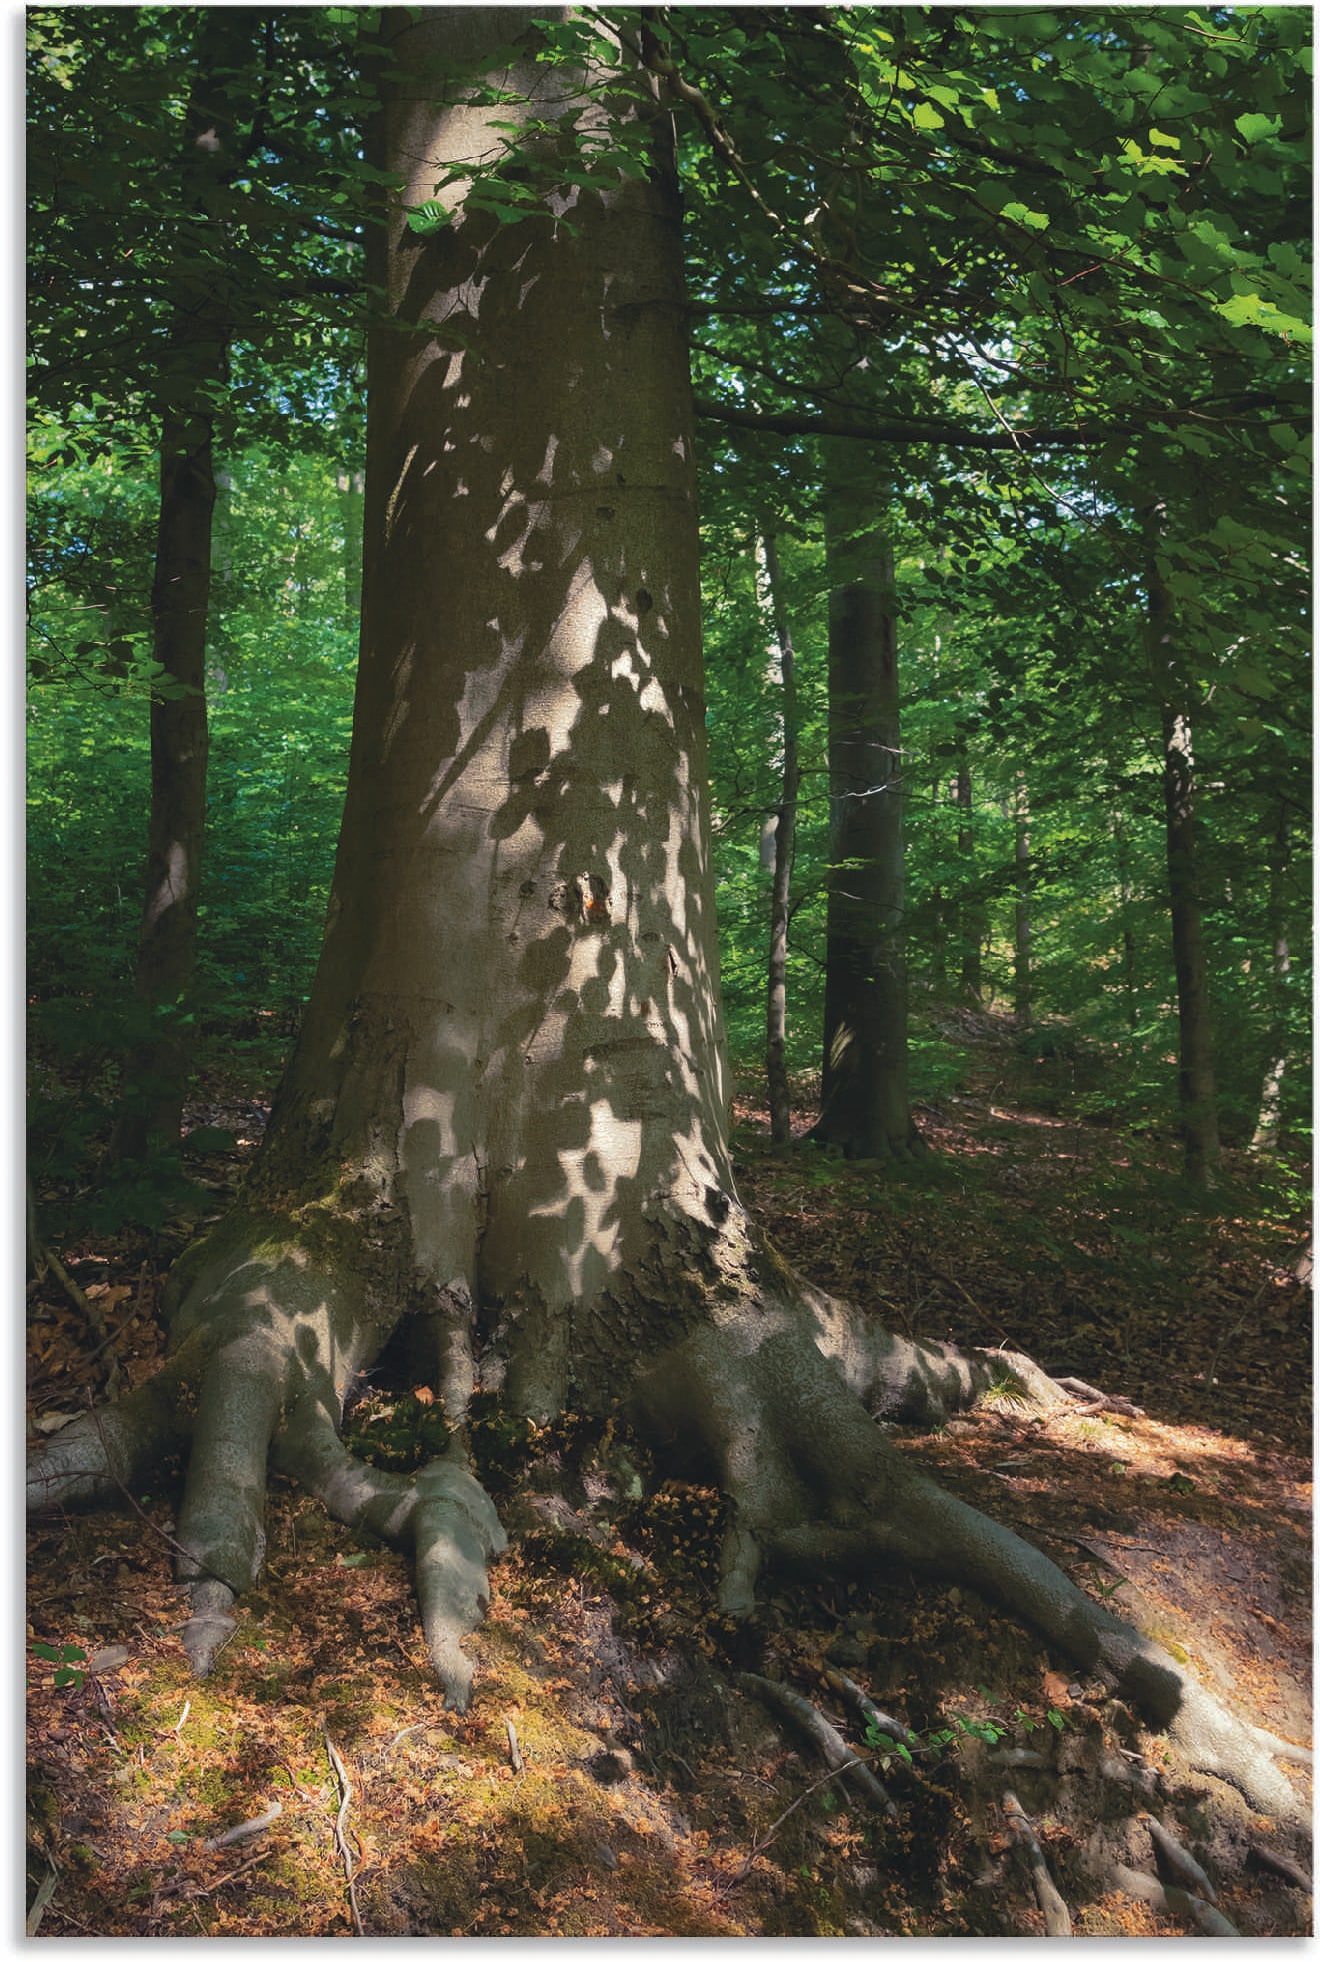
617	1774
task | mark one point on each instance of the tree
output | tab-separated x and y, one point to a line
785	840
864	1095
192	376
502	1131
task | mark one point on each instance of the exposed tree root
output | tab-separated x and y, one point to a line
1145	1887
1058	1921
808	1721
772	1389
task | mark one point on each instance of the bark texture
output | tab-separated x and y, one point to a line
502	1131
864	1107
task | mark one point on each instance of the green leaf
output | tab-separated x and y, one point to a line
428	217
927	116
1038	221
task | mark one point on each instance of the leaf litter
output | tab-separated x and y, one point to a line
611	1778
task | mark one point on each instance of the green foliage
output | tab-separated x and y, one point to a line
69	1659
964	229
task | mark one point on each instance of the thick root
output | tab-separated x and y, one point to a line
103	1454
817	1487
209	1626
440	1511
455	1534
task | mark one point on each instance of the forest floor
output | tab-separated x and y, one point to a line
615	1774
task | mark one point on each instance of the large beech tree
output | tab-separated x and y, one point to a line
503	1128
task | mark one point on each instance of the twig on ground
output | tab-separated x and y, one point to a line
398	1738
1098	1399
235	1873
247	1829
346	1799
1058	1921
515	1755
45	1260
726	1887
838	1754
42	1901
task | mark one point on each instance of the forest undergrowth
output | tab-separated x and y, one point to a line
623	1768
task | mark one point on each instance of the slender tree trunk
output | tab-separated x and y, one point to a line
776	1011
971	907
193	371
1196	1073
1021	907
351	485
1125	924
864	1107
1266	1135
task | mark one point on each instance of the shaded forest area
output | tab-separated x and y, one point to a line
998	345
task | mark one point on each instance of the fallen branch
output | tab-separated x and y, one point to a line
345	1800
1058	1921
42	1901
807	1719
827	1778
515	1755
1097	1399
248	1829
1145	1887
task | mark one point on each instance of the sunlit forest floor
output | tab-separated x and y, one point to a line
614	1775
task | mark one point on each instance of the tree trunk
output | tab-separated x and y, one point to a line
1198	1114
1266	1135
193	371
502	1132
971	906
864	1108
351	485
776	1010
1021	906
1125	922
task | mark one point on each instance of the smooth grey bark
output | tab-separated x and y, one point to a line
503	1127
785	838
864	1105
